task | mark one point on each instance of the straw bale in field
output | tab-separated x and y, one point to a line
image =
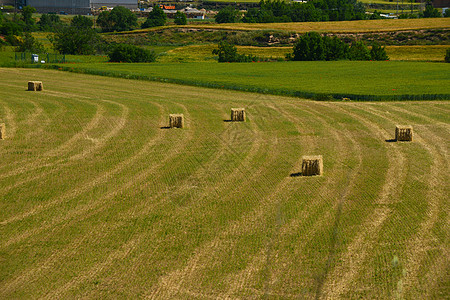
2	131
35	86
176	120
238	114
404	133
312	165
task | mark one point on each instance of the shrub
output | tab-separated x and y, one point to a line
130	53
378	53
228	53
447	56
359	51
156	17
180	18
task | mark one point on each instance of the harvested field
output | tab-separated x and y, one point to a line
106	204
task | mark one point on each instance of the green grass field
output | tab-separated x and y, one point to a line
357	80
99	200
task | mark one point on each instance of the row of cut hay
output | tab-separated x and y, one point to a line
253	89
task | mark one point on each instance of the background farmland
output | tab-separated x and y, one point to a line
98	199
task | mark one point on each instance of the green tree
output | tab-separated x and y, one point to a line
310	46
81	22
359	51
156	17
74	40
104	21
378	53
29	43
48	22
27	18
180	18
227	15
130	53
118	19
430	11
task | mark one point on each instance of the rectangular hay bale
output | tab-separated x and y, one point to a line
176	121
404	133
35	86
238	114
2	131
312	165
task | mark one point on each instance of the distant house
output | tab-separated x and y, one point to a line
78	6
193	13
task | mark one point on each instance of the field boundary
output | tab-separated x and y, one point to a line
255	89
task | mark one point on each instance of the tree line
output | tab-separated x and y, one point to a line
279	11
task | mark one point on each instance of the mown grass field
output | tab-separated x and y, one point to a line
363	80
99	200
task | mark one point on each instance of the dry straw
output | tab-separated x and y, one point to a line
35	86
312	165
404	133
2	131
176	121
238	114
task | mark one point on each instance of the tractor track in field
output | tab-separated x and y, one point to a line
138	178
437	182
33	119
98	144
108	262
338	281
351	179
60	150
82	213
241	281
171	284
90	184
339	136
37	131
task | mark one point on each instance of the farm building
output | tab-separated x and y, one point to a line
77	6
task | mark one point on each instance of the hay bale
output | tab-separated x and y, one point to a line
238	114
35	86
2	131
176	121
404	133
312	165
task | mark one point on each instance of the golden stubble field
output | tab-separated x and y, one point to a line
99	200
